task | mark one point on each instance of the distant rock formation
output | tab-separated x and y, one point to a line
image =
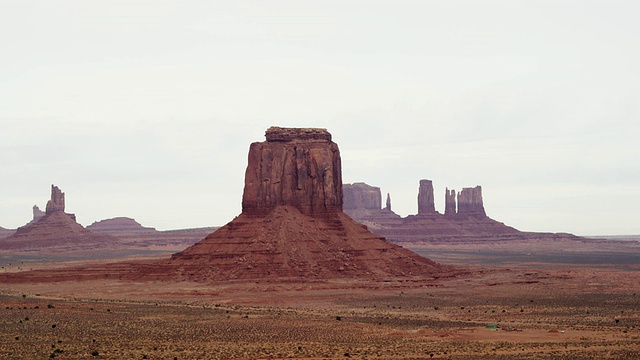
119	226
362	202
55	230
37	213
470	202
361	196
426	203
56	203
297	167
449	202
292	224
469	221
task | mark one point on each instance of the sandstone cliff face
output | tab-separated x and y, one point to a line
470	202
361	196
426	203
297	167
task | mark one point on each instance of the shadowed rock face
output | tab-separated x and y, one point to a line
296	167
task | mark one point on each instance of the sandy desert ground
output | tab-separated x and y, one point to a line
570	310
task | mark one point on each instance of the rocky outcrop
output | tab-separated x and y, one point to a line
449	202
292	224
388	206
426	203
54	231
37	213
470	202
361	196
297	167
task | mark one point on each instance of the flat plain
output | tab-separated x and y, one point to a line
545	308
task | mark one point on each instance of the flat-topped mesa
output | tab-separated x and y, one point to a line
449	202
470	202
56	204
279	134
361	196
296	167
426	204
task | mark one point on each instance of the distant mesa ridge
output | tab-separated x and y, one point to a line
464	216
118	226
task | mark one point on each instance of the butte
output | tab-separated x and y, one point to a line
292	224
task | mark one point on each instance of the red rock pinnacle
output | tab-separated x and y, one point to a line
426	204
57	201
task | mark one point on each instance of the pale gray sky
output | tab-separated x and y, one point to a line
146	109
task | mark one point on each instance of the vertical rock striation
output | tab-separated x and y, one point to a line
297	167
426	204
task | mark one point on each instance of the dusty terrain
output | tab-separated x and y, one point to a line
546	309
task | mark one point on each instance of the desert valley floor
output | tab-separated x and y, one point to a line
498	304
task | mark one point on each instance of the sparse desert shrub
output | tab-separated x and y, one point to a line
95	353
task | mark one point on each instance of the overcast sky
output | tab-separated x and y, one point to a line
146	109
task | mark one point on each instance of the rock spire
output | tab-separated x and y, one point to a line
56	204
449	202
426	204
